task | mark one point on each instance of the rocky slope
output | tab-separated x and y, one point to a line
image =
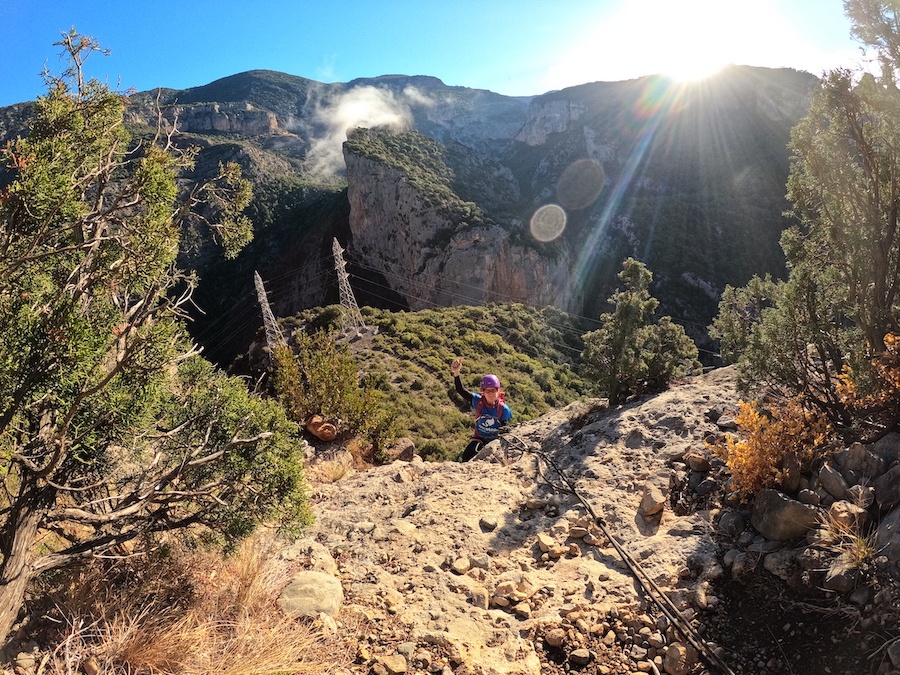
488	568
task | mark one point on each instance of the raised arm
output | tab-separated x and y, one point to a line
455	368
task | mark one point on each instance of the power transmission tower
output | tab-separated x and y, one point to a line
274	338
353	321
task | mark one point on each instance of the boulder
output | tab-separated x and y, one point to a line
780	518
833	482
860	460
311	594
321	429
848	517
403	450
887	488
887	447
781	563
656	493
680	659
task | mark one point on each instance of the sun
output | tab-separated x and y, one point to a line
693	39
681	39
689	65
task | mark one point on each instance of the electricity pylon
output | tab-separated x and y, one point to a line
353	321
274	338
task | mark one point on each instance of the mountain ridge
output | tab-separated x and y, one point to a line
689	179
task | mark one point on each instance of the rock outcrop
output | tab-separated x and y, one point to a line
547	117
425	256
239	118
484	566
232	118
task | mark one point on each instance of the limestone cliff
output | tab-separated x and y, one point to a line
426	256
547	117
203	118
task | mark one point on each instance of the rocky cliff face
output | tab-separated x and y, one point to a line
204	118
415	245
233	118
547	117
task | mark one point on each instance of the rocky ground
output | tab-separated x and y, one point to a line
489	568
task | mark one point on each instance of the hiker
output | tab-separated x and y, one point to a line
491	413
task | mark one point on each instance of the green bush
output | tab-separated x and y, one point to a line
628	354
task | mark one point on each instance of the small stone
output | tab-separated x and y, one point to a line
545	542
580	657
555	638
25	661
488	523
480	597
395	664
461	565
680	659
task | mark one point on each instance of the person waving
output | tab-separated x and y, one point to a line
491	411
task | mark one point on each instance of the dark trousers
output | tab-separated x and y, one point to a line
472	449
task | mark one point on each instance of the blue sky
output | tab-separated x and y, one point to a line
513	47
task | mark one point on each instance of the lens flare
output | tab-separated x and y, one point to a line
580	184
548	222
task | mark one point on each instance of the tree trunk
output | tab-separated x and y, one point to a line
19	534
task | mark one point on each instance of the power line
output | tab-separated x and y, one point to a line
349	302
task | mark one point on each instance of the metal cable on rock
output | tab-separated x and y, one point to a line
652	590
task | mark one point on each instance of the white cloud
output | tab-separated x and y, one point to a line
363	106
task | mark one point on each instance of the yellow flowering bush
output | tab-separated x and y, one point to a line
769	441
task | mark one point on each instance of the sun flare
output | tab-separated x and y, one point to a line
693	38
691	64
684	40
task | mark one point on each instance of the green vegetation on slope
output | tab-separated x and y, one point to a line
421	159
113	429
532	351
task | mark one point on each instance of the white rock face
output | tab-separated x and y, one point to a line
548	117
237	118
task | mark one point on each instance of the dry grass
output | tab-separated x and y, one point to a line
194	644
844	539
328	471
191	612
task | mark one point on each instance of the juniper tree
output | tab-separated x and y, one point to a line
832	318
630	353
112	427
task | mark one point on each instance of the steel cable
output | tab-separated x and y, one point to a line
653	591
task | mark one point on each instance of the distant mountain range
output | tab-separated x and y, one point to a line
458	195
